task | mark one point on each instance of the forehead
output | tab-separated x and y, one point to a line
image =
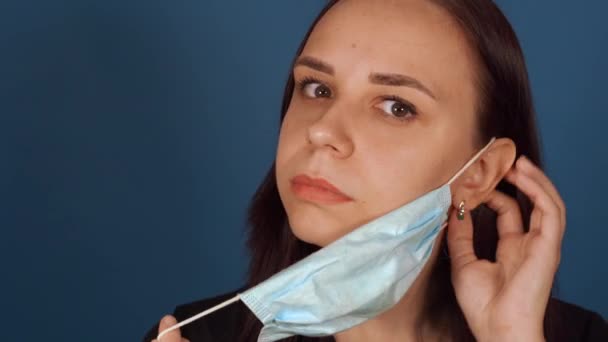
413	37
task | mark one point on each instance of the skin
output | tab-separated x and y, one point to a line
344	130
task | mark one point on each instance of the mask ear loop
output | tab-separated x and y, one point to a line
238	296
197	316
466	166
471	161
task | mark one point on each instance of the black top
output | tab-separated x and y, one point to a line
223	325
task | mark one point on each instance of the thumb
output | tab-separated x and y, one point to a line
460	240
171	336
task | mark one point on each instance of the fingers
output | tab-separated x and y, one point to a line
525	165
548	222
171	336
509	215
460	240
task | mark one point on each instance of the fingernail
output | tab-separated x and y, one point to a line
530	165
168	320
521	161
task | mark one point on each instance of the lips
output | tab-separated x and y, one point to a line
318	190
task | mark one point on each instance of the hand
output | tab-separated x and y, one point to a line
172	336
506	300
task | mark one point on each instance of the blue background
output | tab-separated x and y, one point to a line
133	133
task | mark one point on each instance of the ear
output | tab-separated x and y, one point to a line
482	177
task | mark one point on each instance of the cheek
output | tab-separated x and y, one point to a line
289	141
397	176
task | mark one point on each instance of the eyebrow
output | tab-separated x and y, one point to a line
389	79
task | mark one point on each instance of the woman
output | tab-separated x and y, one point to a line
386	100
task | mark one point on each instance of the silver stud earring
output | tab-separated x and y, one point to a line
461	211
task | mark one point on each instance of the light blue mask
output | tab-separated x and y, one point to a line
354	278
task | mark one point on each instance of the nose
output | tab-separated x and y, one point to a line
330	132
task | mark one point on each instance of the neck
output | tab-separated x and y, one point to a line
403	321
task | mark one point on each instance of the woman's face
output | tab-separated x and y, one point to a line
383	109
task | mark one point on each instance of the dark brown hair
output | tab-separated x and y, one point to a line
505	109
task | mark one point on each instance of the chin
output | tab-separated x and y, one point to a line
316	233
309	235
311	224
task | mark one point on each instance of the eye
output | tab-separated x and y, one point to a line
313	88
398	108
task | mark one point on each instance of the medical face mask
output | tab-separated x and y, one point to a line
352	279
